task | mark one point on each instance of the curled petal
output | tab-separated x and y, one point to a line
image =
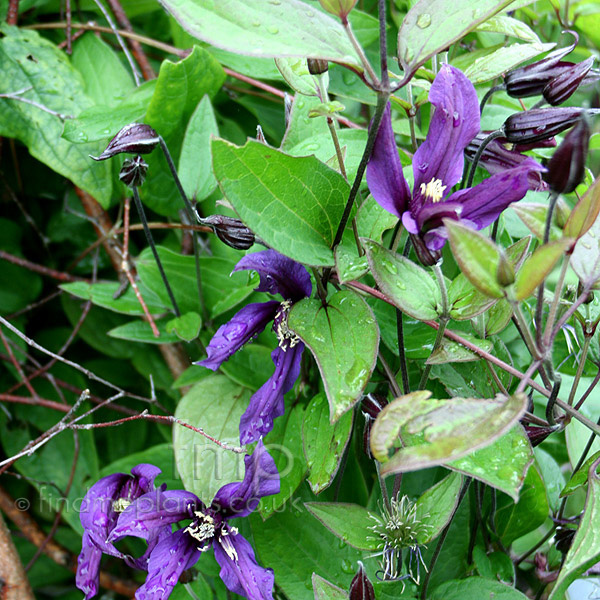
245	325
88	567
267	402
239	570
453	125
261	479
170	558
278	274
154	511
384	171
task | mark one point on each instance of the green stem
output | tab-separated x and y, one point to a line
437	269
375	83
438	341
580	366
527	337
555	301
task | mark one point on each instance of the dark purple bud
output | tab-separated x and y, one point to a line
361	588
563	538
566	168
135	138
537	435
260	136
230	231
563	86
539	124
317	66
133	172
424	254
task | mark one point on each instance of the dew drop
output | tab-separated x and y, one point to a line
347	567
424	20
272	29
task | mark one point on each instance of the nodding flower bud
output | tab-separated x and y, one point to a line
371	406
135	138
317	66
341	8
505	273
537	435
361	588
133	171
565	85
539	124
566	168
230	231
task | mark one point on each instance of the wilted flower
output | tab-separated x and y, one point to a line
133	171
135	138
566	168
437	166
278	275
230	231
361	588
209	526
101	507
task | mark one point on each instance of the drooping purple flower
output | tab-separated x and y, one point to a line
101	507
437	166
278	275
209	526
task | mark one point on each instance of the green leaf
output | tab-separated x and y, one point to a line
324	444
284	443
477	256
302	129
584	213
476	588
502	465
349	522
251	366
409	286
294	204
436	506
344	338
195	169
437	431
186	327
451	351
432	25
580	477
503	59
585	549
297	76
537	267
514	28
327	591
140	331
29	61
495	566
263	28
175	98
106	79
102	294
203	466
585	259
534	217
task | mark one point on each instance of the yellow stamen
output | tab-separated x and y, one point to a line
434	190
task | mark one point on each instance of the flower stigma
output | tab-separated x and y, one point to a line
202	529
121	504
434	190
285	336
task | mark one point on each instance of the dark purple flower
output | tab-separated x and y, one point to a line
278	275
437	166
100	510
209	526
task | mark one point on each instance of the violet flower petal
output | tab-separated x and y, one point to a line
278	274
245	325
453	125
240	572
172	556
261	479
88	567
146	474
267	403
384	171
154	510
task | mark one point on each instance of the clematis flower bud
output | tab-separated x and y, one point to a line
361	588
230	231
537	435
505	273
341	8
566	168
539	124
317	66
135	138
565	85
133	171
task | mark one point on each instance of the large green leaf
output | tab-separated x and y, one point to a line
437	431
294	204
28	61
214	405
409	286
344	338
585	259
178	89
585	549
327	591
476	588
432	25
265	28
324	443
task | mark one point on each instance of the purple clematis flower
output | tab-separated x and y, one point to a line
100	510
437	166
278	275
209	526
